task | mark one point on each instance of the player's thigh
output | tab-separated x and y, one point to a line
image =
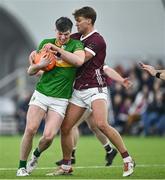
90	122
73	114
35	115
53	123
85	116
99	111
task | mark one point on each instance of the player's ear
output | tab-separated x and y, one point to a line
89	21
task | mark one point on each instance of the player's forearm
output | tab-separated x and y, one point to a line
33	69
111	73
75	59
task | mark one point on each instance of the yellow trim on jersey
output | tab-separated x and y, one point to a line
62	63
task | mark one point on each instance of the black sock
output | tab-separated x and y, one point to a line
37	152
73	152
108	148
22	164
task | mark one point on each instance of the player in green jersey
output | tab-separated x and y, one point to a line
51	95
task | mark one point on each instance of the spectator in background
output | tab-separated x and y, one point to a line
154	116
139	105
117	100
22	107
122	115
146	79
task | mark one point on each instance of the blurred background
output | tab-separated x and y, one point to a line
134	31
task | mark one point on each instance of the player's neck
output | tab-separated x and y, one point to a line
88	31
59	44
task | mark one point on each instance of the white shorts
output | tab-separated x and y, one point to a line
84	98
49	103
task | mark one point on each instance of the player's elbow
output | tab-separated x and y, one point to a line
80	62
79	59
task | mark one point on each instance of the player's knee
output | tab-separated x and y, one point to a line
102	126
48	137
65	130
31	131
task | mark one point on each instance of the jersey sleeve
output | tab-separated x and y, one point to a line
95	45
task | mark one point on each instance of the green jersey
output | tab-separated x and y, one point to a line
58	82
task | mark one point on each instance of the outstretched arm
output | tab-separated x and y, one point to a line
152	71
111	73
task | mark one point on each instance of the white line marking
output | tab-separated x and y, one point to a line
91	167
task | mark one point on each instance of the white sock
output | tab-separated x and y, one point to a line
127	159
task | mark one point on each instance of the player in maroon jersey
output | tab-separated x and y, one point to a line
90	92
110	151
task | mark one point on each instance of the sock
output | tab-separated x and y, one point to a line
73	152
22	164
37	152
126	157
108	148
124	154
66	162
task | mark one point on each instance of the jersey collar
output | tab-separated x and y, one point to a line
82	38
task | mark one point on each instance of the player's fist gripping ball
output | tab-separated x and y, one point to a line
45	54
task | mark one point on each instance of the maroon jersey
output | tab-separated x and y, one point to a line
91	73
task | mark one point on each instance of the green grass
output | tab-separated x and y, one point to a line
149	154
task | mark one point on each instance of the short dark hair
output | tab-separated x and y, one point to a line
64	24
86	12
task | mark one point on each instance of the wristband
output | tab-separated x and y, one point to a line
158	74
58	54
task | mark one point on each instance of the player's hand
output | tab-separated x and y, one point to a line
45	61
47	46
51	47
127	83
31	57
150	69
